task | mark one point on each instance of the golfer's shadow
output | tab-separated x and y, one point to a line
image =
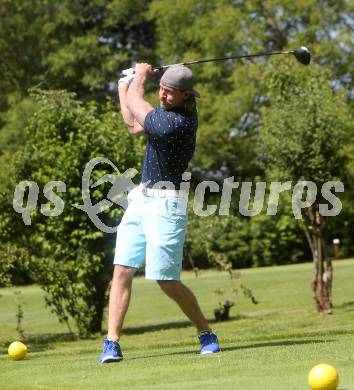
156	327
167	326
279	343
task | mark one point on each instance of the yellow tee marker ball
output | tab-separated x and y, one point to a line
323	377
17	350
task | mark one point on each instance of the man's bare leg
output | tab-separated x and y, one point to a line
119	299
186	301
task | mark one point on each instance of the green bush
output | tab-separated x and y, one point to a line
69	257
255	241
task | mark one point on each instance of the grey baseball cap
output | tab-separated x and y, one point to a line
179	77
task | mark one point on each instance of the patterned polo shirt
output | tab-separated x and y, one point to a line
171	136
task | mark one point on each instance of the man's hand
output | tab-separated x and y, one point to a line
128	77
143	70
136	103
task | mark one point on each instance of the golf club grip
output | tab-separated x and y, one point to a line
154	68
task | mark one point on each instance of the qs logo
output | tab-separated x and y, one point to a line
121	185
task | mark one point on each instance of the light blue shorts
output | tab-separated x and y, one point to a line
153	230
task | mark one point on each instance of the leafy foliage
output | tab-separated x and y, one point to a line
232	91
245	242
304	111
80	46
77	45
312	119
70	258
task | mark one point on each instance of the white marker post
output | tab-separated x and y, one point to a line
336	242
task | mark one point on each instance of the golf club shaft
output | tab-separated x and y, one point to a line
302	54
225	58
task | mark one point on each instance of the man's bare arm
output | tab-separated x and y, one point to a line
136	103
133	125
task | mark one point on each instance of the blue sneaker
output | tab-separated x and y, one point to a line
208	343
111	352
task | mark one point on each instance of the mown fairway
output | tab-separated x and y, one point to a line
269	346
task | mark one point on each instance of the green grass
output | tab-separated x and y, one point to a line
269	346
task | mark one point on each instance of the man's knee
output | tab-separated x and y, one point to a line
168	286
123	272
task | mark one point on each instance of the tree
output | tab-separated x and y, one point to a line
80	46
69	257
73	45
303	132
232	91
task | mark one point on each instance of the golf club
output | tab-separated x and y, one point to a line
302	54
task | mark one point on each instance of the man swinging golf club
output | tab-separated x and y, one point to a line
154	225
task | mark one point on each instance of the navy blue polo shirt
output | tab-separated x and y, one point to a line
171	136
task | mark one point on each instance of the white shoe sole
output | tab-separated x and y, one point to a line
111	359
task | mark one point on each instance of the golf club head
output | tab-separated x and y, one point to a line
303	55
